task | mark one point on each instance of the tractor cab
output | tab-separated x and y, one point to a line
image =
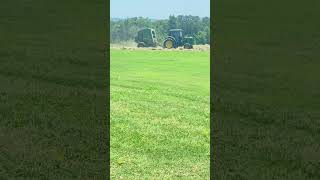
176	38
177	34
146	38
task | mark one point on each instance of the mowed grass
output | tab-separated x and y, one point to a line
52	90
266	96
160	114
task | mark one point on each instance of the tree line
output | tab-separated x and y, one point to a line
126	29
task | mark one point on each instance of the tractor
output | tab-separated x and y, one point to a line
146	38
176	39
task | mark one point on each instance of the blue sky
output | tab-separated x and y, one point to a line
158	9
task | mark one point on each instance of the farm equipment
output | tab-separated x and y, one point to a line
176	39
146	38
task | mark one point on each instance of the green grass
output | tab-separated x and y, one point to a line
160	114
266	91
52	90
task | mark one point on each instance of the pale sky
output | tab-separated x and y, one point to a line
158	9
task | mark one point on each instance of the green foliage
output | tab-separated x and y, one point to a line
126	29
203	37
172	23
160	114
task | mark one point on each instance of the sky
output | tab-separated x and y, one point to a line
158	9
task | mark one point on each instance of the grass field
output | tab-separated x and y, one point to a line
266	90
160	114
52	90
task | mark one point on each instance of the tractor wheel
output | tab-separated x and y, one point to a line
168	43
141	44
188	46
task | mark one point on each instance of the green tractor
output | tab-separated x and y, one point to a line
176	39
146	38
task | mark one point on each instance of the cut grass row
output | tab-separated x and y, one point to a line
159	114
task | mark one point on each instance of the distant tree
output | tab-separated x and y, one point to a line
172	23
126	29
